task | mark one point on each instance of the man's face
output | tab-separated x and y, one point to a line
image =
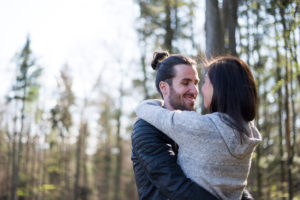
184	89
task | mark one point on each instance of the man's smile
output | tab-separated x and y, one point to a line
190	97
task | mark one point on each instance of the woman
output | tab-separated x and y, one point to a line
215	149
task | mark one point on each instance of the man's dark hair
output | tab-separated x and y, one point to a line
234	91
164	64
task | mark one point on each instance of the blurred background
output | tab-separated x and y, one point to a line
73	71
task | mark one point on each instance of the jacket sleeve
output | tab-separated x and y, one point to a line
160	164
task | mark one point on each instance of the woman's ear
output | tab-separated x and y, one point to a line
164	88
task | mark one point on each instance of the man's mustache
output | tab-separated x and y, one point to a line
190	95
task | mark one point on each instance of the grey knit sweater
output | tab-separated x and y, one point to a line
210	152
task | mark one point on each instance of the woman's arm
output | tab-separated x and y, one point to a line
176	124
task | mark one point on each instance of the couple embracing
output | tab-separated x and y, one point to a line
178	153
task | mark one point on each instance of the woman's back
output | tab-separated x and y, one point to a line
210	151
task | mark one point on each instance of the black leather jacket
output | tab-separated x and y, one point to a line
154	157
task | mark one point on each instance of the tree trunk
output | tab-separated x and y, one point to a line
35	169
293	53
39	172
32	171
105	183
20	145
83	129
176	19
232	22
13	183
286	105
66	176
259	84
119	147
192	30
4	164
225	17
44	172
26	164
213	29
85	186
258	156
280	129
14	160
248	35
107	170
145	79
169	36
77	173
8	169
85	178
297	16
119	165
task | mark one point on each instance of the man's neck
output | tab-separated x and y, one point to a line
168	106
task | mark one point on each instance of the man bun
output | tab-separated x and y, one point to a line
158	57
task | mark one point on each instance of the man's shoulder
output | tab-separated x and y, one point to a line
141	125
140	122
144	130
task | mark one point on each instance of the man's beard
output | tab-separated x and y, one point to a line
177	102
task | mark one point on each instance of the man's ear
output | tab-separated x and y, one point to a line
164	88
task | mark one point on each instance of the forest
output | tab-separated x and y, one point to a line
43	150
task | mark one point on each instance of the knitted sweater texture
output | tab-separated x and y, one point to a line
210	152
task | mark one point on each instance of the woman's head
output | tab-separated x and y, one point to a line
230	88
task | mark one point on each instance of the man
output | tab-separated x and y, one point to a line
154	155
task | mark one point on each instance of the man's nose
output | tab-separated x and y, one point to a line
194	89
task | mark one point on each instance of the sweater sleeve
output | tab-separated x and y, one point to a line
176	124
160	164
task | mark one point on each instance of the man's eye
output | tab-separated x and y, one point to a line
185	83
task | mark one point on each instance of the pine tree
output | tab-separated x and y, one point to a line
24	90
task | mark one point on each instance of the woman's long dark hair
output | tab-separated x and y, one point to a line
234	91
